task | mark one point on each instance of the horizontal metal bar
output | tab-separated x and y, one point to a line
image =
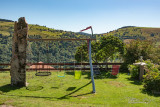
57	39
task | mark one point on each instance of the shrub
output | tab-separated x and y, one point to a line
152	81
151	66
124	68
152	77
134	71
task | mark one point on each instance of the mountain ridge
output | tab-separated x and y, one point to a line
133	32
125	32
6	20
37	32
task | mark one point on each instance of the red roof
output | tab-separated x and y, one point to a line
40	66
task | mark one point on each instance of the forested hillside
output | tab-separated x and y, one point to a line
130	32
53	51
62	51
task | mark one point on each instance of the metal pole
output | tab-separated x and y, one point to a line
90	60
91	67
91	32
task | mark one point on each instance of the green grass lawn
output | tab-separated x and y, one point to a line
53	91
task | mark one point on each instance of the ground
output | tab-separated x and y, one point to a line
66	91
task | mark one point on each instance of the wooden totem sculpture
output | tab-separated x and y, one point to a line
18	60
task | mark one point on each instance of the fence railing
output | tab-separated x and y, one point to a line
77	66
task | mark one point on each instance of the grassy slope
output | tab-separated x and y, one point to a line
144	33
7	28
124	33
112	92
36	31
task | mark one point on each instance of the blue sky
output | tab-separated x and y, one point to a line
74	15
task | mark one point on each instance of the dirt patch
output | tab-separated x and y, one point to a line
116	84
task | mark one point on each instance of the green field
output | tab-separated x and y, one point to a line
53	91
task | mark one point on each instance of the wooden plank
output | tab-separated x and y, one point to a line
5	64
62	64
68	64
4	69
73	63
63	69
59	69
29	69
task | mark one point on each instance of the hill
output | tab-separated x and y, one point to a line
60	51
131	32
6	20
64	51
7	27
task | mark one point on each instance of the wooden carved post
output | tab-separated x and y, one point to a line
18	60
141	72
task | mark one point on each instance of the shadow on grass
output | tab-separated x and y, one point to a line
33	96
8	87
83	73
69	95
70	73
34	88
71	88
134	81
102	75
155	94
81	94
55	87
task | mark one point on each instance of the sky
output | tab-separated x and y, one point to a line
75	15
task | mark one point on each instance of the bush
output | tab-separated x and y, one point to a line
134	71
151	66
124	68
152	81
152	77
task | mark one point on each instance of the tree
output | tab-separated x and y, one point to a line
138	48
134	50
101	50
110	45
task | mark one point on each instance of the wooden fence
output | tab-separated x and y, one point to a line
76	66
